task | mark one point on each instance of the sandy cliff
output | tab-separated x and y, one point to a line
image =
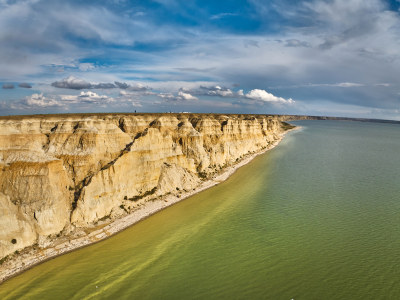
59	174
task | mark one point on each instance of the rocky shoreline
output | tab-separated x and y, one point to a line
32	256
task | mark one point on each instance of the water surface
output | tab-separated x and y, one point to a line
318	217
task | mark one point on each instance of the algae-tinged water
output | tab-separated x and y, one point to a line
318	217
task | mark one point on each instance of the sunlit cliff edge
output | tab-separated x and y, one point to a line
64	173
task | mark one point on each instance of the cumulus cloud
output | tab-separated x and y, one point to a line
183	95
134	88
87	97
8	86
124	93
122	85
223	92
38	100
104	85
84	101
92	96
262	95
167	96
74	83
216	91
186	96
136	94
24	85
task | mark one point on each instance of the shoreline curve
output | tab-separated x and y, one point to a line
33	257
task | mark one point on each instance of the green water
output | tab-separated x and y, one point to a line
318	217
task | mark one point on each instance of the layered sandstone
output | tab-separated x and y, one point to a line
62	173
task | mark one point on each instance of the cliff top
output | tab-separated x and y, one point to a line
75	116
99	115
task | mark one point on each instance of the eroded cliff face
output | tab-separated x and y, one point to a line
59	173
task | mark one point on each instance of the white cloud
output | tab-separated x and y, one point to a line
167	96
182	95
186	96
92	96
39	100
216	91
262	95
136	93
223	92
87	97
137	87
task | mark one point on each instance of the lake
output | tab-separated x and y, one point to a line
317	217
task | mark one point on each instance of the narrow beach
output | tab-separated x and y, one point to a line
30	257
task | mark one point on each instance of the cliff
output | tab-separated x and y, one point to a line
62	173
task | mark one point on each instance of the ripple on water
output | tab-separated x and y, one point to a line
317	217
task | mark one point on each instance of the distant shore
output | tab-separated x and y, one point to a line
280	117
32	257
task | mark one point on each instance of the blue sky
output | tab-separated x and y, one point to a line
315	57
